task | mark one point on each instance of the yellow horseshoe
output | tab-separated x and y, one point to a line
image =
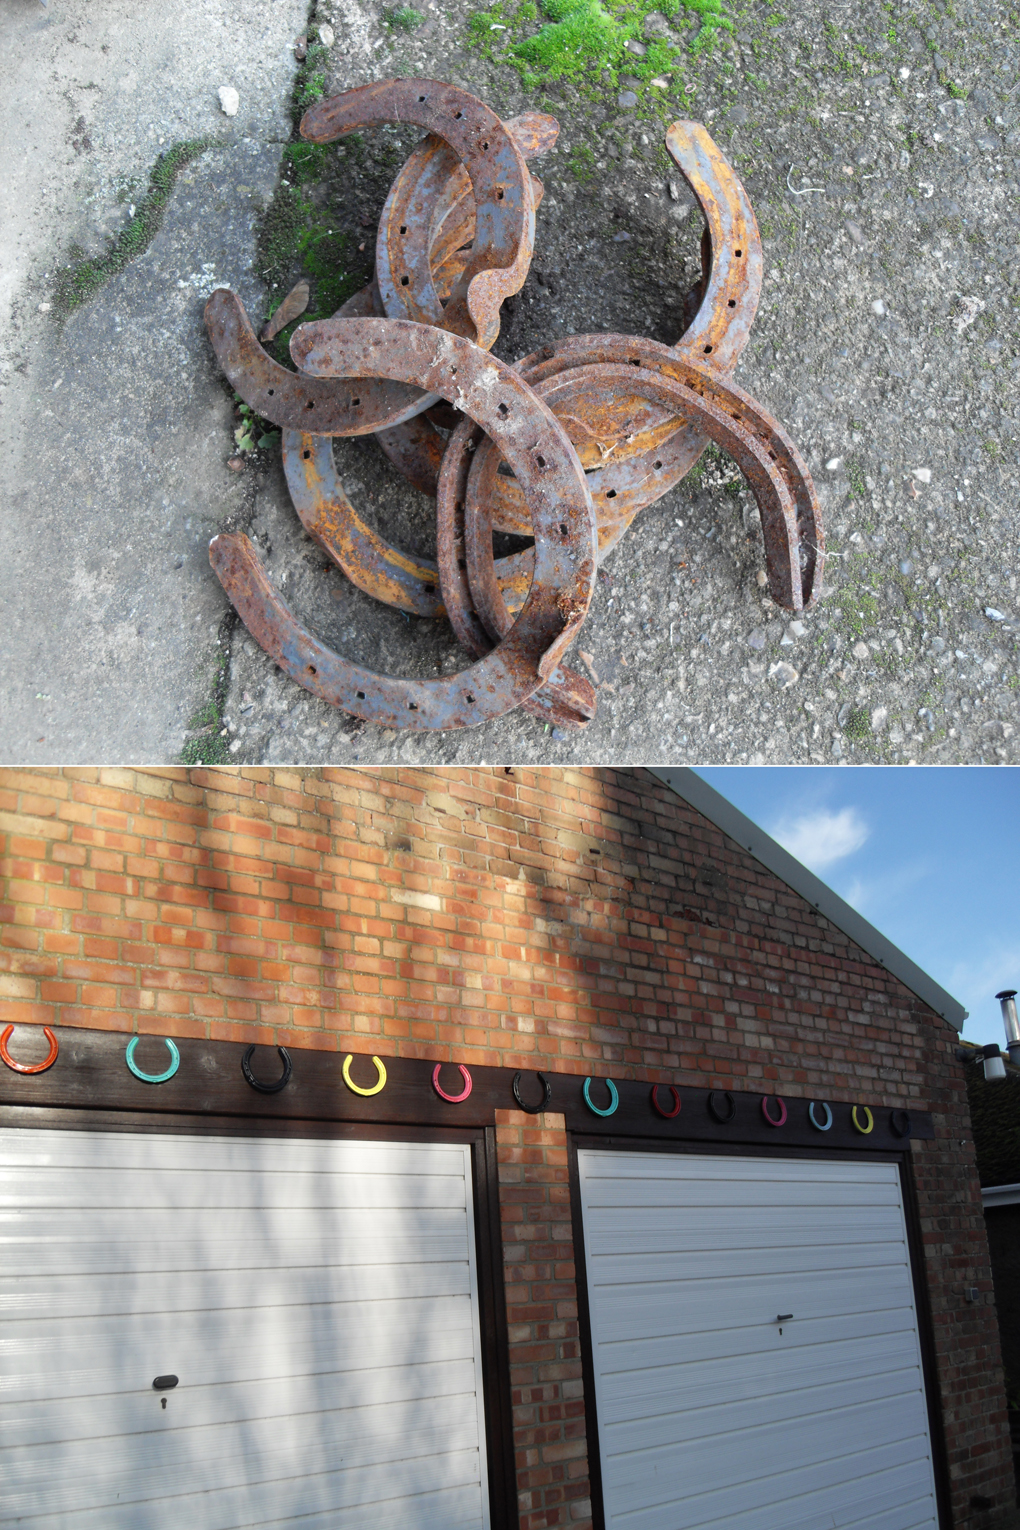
864	1130
376	1088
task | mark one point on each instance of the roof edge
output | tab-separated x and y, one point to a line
1000	1195
687	784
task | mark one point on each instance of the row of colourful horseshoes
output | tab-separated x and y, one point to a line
720	1104
566	447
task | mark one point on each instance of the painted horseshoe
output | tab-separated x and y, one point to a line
819	1126
29	1067
864	1130
713	1108
152	1078
669	1114
533	1110
255	1083
782	1109
614	1097
565	544
377	1087
453	1099
899	1121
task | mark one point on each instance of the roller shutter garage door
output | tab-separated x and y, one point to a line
707	1414
317	1300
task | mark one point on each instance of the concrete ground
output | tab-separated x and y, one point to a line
887	342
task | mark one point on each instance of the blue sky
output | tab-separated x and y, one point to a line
930	856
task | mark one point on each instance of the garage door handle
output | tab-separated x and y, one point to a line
783	1317
164	1383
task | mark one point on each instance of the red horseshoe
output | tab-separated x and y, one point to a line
24	1067
765	1110
454	1099
669	1114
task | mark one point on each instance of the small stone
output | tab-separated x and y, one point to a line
660	83
904	73
737	115
993	615
626	98
621	238
856	232
837	748
327	36
674	191
834	464
878	307
236	464
784	675
879	718
906	566
939	62
655	24
861	651
797	629
632	46
229	100
786	640
762	578
923	475
44	307
756	639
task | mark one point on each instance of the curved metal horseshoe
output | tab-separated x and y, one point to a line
154	1078
377	1087
29	1067
782	1110
565	556
669	1114
453	1099
614	1097
255	1083
500	182
864	1130
819	1126
533	1110
713	1108
899	1121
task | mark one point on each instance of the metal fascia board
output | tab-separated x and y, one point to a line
1000	1195
707	801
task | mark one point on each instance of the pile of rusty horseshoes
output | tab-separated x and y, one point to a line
592	428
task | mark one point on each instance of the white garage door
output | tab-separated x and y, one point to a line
316	1299
707	1413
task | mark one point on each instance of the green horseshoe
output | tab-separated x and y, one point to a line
614	1097
152	1078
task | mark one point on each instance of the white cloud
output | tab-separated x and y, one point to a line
821	838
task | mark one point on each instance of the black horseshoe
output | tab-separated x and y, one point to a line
533	1110
713	1108
899	1120
281	1083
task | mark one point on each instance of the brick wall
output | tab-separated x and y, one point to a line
580	919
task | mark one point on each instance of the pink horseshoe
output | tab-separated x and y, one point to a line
454	1099
765	1110
669	1114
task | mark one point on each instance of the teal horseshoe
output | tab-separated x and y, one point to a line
152	1078
614	1097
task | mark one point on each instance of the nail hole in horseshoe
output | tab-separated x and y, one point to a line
312	670
564	529
499	196
707	349
355	403
412	706
453	371
610	493
484	144
310	404
429	589
360	695
271	392
656	465
540	459
732	303
738	252
504	411
458	114
306	455
405	281
470	699
634	363
403	228
422	98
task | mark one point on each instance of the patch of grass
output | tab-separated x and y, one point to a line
405	19
77	282
585	40
855	478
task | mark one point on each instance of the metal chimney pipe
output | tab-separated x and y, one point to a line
1007	998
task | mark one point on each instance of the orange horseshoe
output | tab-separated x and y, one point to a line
24	1067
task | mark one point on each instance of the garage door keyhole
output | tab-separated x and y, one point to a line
781	1318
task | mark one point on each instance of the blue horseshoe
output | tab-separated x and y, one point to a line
614	1097
152	1078
820	1126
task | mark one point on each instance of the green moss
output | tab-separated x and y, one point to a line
858	724
82	278
211	748
585	40
581	163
